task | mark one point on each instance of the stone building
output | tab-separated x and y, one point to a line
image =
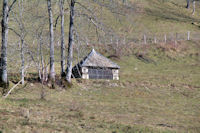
96	66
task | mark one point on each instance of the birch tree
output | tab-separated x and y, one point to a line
4	34
21	33
22	36
62	38
52	69
70	42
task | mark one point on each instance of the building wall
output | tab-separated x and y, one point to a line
115	74
97	73
85	74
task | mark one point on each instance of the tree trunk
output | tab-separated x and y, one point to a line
188	4
70	43
62	38
52	69
193	3
21	39
22	60
4	24
38	61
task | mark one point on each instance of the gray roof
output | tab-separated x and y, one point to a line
94	59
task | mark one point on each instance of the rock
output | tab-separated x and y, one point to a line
113	85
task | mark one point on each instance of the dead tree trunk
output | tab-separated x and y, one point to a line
70	43
62	38
4	25
52	69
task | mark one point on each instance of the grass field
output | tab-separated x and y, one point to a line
161	95
158	90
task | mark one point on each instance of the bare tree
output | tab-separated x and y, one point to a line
19	19
4	25
62	38
22	36
52	69
70	42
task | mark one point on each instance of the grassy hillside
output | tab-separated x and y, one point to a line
160	94
139	17
158	90
157	17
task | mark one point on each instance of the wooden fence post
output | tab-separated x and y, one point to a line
188	35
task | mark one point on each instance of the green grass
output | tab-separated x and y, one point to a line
152	17
145	16
151	97
160	95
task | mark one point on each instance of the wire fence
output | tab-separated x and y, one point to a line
155	38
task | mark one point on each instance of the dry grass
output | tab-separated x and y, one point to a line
150	97
162	95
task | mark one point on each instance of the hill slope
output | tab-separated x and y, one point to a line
158	90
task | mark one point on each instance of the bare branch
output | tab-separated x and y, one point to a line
11	6
55	25
14	31
56	21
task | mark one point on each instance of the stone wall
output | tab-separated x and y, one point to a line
115	74
85	74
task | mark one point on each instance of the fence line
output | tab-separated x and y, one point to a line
152	38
